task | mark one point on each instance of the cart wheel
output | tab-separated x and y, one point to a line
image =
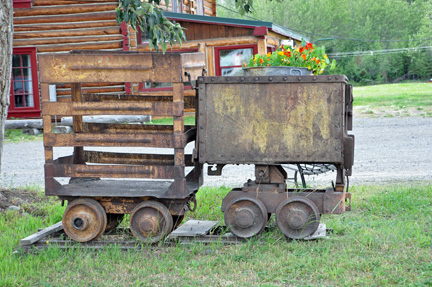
297	217
150	221
113	220
246	217
84	219
177	220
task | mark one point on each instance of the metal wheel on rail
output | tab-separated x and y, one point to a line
84	219
246	217
150	221
297	217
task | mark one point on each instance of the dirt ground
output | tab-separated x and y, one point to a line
24	199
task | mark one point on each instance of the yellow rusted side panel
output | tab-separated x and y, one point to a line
273	123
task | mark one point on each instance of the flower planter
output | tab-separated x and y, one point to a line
276	71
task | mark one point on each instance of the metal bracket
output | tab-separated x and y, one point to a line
218	171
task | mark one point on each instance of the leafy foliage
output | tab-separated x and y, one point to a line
148	17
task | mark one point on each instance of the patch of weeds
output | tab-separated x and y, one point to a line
369	112
17	136
419	108
388	116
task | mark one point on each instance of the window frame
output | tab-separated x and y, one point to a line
218	68
34	111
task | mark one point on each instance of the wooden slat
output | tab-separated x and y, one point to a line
110	140
64	9
61	40
115	30
81	46
42	234
100	16
61	26
94	90
69	2
112	171
133	158
113	108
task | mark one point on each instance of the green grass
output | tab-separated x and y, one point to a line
399	96
188	120
17	135
385	240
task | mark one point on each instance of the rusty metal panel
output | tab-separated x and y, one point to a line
131	158
267	120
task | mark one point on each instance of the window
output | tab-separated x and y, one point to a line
24	94
230	59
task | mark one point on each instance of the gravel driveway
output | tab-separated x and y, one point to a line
387	150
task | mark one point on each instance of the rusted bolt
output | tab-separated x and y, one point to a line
270	79
256	79
299	78
228	79
242	79
285	78
329	78
212	79
314	78
201	127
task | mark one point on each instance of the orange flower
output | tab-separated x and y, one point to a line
287	53
309	46
304	57
301	49
261	61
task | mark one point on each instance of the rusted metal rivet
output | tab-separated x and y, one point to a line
201	79
201	141
285	78
201	127
256	78
329	78
212	79
201	114
314	78
298	156
228	79
299	78
242	79
270	79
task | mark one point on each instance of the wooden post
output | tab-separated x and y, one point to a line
77	122
262	46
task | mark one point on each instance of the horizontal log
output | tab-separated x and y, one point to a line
100	16
36	3
64	9
81	46
21	124
60	26
68	121
113	171
208	4
61	40
115	30
110	140
42	234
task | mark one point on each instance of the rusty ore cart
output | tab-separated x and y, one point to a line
265	121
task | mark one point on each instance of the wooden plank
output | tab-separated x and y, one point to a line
94	16
81	46
103	31
193	228
113	108
61	40
68	2
42	234
107	140
105	67
132	158
113	89
61	26
205	31
221	31
113	171
64	9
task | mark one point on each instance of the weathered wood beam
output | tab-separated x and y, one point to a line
21	124
69	2
66	18
64	9
61	40
67	121
82	46
42	234
60	26
104	31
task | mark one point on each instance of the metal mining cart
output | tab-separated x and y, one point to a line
270	121
97	199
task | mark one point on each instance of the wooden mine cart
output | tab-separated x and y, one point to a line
97	200
270	121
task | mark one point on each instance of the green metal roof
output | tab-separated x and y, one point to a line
235	22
